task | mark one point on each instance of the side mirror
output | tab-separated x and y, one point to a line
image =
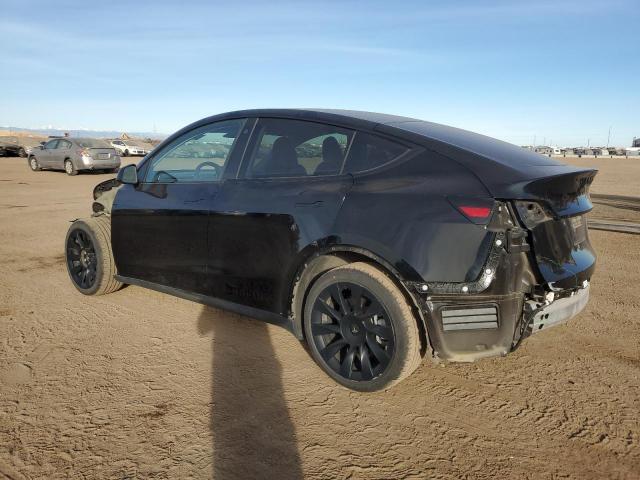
128	175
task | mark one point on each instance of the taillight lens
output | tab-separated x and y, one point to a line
477	210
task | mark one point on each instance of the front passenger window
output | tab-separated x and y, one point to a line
197	156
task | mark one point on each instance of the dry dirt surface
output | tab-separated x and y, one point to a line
138	384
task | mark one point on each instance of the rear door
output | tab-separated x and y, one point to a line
61	152
285	200
159	227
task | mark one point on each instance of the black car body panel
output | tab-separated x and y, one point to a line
242	243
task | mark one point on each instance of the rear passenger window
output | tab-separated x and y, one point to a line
294	148
369	151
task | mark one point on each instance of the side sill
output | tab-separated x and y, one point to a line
256	313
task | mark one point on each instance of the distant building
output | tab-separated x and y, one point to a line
543	149
632	152
636	142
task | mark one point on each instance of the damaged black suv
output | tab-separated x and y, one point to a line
377	239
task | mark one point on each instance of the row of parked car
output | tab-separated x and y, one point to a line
77	154
11	146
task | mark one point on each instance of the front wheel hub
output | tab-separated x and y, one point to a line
82	259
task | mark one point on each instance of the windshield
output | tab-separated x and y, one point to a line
92	143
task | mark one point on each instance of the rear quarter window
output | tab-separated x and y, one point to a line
371	151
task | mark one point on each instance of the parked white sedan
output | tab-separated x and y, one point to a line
126	148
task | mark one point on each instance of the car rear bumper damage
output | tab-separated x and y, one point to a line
465	329
513	298
558	312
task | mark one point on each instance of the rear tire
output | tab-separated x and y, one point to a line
22	153
89	256
126	153
70	168
34	165
368	339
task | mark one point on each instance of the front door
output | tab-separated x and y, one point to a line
45	156
286	199
159	227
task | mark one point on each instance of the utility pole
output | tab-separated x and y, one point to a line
609	136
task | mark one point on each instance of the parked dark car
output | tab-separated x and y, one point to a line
10	147
74	155
377	239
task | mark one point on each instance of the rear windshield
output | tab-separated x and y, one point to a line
92	143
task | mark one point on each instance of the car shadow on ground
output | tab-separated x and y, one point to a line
253	434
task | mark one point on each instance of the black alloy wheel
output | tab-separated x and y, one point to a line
352	331
82	260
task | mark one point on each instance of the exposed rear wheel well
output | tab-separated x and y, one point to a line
318	264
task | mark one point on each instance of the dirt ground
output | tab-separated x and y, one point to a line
138	384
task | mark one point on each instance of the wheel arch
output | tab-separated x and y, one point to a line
319	261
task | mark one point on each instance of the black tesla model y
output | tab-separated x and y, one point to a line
377	239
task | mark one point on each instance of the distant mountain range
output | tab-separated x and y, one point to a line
81	133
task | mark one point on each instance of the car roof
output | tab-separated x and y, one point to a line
354	117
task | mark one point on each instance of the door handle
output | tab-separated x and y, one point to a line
316	204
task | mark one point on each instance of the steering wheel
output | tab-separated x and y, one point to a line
217	168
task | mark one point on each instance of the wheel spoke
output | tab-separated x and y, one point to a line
365	363
381	331
80	241
74	252
377	351
355	301
338	297
346	367
334	347
324	307
374	308
325	328
85	277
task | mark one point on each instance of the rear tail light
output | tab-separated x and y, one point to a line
477	210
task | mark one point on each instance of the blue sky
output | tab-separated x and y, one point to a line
562	70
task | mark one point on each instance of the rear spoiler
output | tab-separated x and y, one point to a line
567	194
